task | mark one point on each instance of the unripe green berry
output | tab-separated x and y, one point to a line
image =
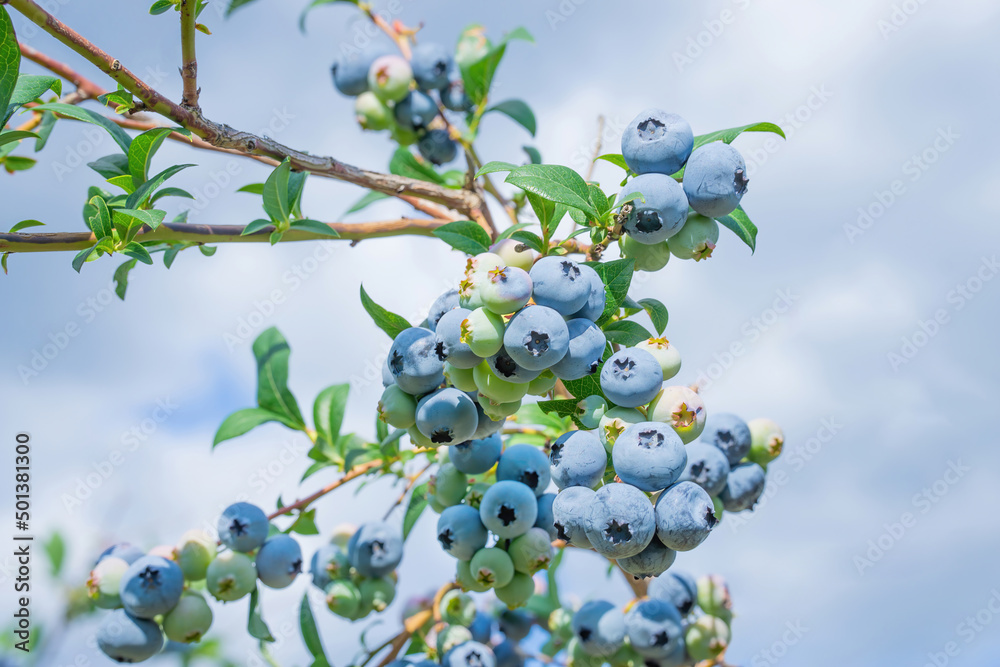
189	620
496	410
514	253
435	504
542	384
451	636
342	534
378	593
105	582
474	496
343	598
696	239
402	136
457	608
231	576
590	410
531	552
518	591
460	378
646	257
483	332
371	113
450	485
464	578
397	408
714	598
492	567
614	422
665	353
561	623
194	553
390	77
707	638
766	441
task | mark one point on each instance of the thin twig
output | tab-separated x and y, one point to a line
189	61
411	482
353	473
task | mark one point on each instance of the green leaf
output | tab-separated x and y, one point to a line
253	188
556	182
276	192
128	221
16	135
617	277
160	6
28	89
110	166
304	524
275	237
615	159
14	163
101	222
739	222
588	385
82	257
255	624
404	163
24	224
256	226
729	135
599	199
513	228
545	210
519	112
366	201
657	314
478	75
316	227
138	198
495	166
136	250
245	420
117	133
416	506
328	411
389	322
310	633
141	153
464	235
45	127
296	186
236	4
533	154
10	61
305	12
55	549
124	182
530	239
271	351
626	332
170	192
121	278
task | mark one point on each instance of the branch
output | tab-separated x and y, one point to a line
84	85
410	483
172	232
353	473
638	586
189	66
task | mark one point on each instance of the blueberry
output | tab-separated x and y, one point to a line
329	562
543	384
631	377
652	561
487	425
416	360
343	598
696	239
649	455
590	411
492	567
715	179
104	584
707	638
481	628
514	253
661	211
193	553
457	608
477	271
560	624
621	522
470	654
657	142
231	576
377	594
706	466
387	378
730	434
415	111
482	330
531	552
454	97
685	515
448	416
677	588
517	592
766	441
243	527
189	620
545	519
151	586
371	113
599	626
125	638
584	351
570	511
376	549
279	561
714	598
124	550
506	290
506	368
682	409
437	147
560	284
509	509
515	624
594	307
474	457
465	578
507	653
665	353
460	378
460	532
614	422
448	637
743	487
397	408
526	464
496	410
444	303
577	458
389	78
431	66
649	258
350	72
654	628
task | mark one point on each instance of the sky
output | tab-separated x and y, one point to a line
863	323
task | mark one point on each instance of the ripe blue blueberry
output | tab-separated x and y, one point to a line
481	628
696	239
654	628
545	519
470	654
390	77
743	487
730	434
350	72
657	142
570	511
682	409
447	301
447	417
560	284
577	458
677	588
515	624
460	532
594	307
621	521
279	561
599	626
584	352
537	337
329	562
506	368
123	550
631	377
431	65
506	290
125	638
685	515
660	213
715	179
151	586
243	527
526	464
437	147
375	549
416	361
509	509
652	561
415	111
649	456
508	655
454	97
474	457
706	466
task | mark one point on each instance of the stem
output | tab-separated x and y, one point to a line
353	473
638	586
189	66
394	35
411	482
411	625
172	232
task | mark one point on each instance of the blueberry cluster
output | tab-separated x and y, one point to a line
405	97
677	210
356	569
154	594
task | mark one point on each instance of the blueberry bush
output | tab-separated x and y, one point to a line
533	411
